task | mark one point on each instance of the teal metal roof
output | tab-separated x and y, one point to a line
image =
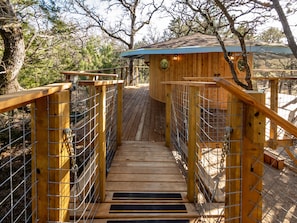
200	43
275	49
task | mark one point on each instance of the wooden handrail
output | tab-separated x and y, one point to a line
246	98
84	73
21	98
100	83
191	83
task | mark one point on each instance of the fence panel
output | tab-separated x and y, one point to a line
17	178
236	177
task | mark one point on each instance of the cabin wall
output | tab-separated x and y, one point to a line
187	65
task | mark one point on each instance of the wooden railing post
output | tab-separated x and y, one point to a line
233	162
244	162
102	139
274	107
52	161
120	114
252	161
168	114
192	148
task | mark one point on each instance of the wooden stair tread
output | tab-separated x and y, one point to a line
135	177
149	157
147	164
146	186
104	209
142	167
144	170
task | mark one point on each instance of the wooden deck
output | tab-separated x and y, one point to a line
143	117
141	171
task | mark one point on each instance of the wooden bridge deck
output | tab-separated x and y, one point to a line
143	117
144	177
144	181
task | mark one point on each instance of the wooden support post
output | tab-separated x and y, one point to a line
120	114
52	161
192	148
233	162
97	142
274	107
102	137
252	162
168	114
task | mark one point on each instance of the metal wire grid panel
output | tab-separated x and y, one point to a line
111	123
215	179
16	178
280	156
84	158
179	123
222	184
281	96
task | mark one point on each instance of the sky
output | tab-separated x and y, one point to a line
160	22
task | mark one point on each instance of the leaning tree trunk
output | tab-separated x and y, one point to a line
14	49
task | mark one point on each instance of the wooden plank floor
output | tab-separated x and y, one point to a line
143	117
144	167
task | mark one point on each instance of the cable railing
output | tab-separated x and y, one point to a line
56	146
219	134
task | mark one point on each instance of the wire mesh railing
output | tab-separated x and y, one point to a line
53	146
82	147
17	179
111	123
280	155
233	178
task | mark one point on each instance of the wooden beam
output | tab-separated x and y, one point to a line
252	161
274	107
52	164
168	114
246	98
87	73
120	113
100	83
21	98
192	146
192	83
233	162
102	140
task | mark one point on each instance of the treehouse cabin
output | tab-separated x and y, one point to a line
198	57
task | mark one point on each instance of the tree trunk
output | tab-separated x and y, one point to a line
287	30
14	49
131	73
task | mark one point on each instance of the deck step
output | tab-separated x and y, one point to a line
146	196
148	208
146	211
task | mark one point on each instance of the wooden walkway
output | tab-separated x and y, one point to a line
145	182
143	117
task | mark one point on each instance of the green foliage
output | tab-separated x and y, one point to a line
272	35
58	49
54	44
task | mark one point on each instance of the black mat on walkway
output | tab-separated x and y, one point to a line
148	208
147	196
